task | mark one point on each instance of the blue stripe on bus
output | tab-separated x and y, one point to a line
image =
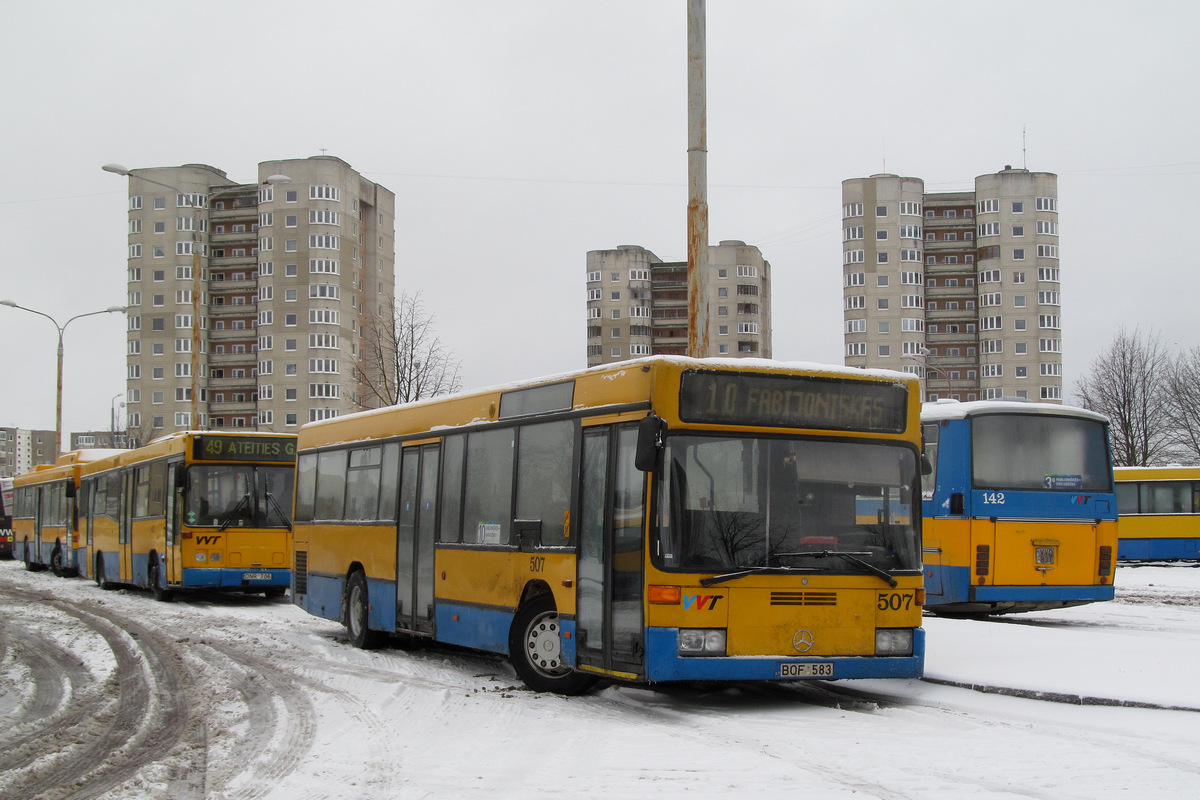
480	628
1158	549
1058	594
223	577
663	662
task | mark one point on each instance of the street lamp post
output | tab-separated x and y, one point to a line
61	329
118	169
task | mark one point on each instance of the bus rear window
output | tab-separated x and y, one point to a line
1039	452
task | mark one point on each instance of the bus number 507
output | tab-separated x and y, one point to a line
894	601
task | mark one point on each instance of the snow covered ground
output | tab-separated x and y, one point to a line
112	695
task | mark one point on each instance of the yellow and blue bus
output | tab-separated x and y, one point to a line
45	512
192	510
655	520
1019	508
1160	513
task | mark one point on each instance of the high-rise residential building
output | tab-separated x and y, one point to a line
22	449
259	295
637	304
960	288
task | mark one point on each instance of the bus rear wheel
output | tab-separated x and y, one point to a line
161	593
535	647
357	613
101	578
56	563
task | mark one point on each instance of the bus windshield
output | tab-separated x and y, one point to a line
737	503
239	496
1039	452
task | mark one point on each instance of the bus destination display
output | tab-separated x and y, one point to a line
792	401
243	448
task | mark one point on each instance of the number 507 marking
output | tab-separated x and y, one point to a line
894	601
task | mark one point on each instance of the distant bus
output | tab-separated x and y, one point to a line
1160	513
6	509
45	512
1020	513
192	510
655	520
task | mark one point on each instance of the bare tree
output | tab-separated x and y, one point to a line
1183	410
141	435
1127	383
403	358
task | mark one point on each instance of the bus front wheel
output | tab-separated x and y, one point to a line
535	647
357	613
56	563
30	564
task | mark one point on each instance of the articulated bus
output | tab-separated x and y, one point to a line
192	510
1020	513
45	512
1160	513
655	520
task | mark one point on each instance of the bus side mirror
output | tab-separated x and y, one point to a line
650	441
70	490
958	503
926	466
180	479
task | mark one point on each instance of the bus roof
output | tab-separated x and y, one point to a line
1164	473
952	409
475	406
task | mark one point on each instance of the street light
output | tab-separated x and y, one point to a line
61	328
113	418
921	357
119	169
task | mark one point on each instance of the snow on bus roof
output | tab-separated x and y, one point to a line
620	368
952	409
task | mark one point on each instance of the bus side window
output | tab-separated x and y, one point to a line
929	436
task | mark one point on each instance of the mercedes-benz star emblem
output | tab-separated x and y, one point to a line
802	641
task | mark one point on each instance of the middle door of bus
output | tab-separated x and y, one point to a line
609	620
415	537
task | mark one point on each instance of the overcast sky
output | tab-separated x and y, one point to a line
519	135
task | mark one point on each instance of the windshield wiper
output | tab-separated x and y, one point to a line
729	576
853	558
271	500
233	513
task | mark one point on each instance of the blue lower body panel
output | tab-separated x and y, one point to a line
1041	594
663	662
477	627
326	592
1158	549
225	578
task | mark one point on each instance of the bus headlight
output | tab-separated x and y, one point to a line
701	641
893	642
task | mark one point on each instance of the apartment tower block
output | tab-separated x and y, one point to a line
258	295
959	288
637	304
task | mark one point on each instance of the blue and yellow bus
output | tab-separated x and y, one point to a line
1160	513
46	513
192	510
1019	508
655	520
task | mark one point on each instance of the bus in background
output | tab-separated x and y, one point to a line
6	509
45	512
1019	508
191	510
655	520
1160	513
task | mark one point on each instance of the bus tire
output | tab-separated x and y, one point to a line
30	564
101	578
535	649
358	613
161	593
56	563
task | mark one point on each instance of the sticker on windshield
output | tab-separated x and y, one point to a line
1064	482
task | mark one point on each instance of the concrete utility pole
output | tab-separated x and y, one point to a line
697	223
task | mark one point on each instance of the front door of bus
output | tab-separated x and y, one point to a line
125	532
609	621
414	538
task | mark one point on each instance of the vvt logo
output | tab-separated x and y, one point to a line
201	540
700	601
